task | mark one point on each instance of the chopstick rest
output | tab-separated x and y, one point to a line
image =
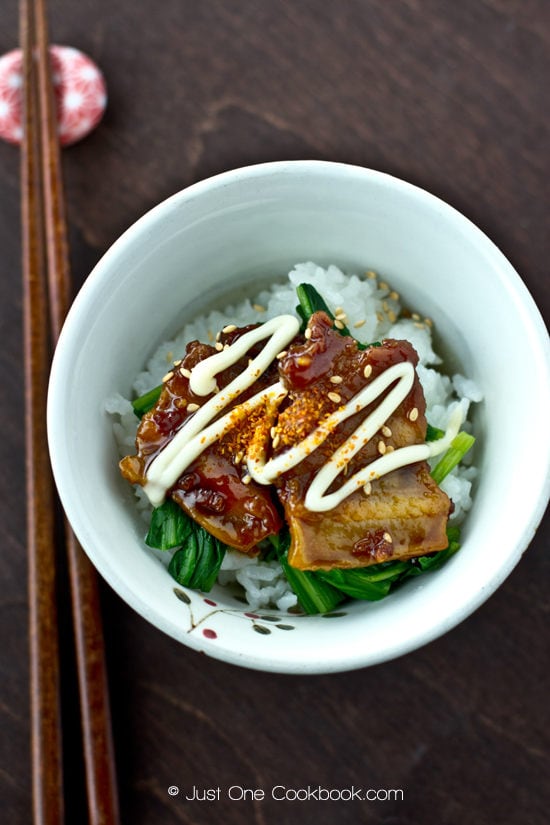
79	88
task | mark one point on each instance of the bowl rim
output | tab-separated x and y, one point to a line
103	270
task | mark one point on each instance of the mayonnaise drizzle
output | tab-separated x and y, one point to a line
197	434
316	499
190	441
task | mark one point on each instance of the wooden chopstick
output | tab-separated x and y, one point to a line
43	638
45	258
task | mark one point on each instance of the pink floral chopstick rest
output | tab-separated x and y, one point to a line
79	87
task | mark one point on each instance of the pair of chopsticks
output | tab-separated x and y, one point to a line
46	298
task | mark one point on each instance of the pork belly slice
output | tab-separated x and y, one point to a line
211	490
405	514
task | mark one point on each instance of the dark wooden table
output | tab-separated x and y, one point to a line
448	95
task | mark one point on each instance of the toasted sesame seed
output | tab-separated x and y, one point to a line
258	307
334	397
339	310
226	346
219	346
367	371
181	402
413	414
185	372
338	324
388	538
359	323
307	334
367	488
168	376
392	317
386	431
230	328
381	447
428	322
303	360
247	479
281	354
218	335
383	285
419	324
336	379
415	316
340	316
390	449
275	442
394	295
370	274
385	306
192	407
177	363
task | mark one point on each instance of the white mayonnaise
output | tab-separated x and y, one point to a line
198	434
190	441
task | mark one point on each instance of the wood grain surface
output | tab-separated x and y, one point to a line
449	95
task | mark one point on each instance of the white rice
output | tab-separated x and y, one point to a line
372	314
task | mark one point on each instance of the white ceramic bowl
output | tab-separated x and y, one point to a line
235	231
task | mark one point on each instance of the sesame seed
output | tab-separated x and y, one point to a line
169	355
419	324
303	360
415	316
192	407
219	346
413	414
381	447
226	346
336	379
247	479
230	328
367	371
367	488
334	397
383	285
275	442
181	402
390	449
379	316
392	317
177	363
281	354
307	334
185	372
394	295
258	307
218	335
370	274
340	316
428	322
388	538
239	457
385	306
359	323
168	376
386	431
338	324
210	335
